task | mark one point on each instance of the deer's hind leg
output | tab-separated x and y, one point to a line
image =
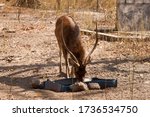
66	63
60	65
61	74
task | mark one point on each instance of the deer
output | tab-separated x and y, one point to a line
68	37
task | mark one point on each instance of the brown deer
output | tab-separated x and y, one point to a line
68	36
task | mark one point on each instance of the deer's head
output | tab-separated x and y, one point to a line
79	66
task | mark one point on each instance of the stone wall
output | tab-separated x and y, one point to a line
133	15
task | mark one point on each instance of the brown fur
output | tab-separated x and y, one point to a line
68	36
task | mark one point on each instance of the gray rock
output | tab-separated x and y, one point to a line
79	86
94	86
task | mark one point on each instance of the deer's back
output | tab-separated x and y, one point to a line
71	34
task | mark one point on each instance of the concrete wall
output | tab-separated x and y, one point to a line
133	15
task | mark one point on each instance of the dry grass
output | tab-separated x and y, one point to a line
74	4
79	9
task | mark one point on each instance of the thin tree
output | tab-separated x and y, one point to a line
27	3
58	4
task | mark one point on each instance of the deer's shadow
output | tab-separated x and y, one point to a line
15	75
11	74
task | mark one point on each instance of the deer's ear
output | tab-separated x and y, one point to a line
73	63
87	61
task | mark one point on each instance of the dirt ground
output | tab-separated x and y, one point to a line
28	50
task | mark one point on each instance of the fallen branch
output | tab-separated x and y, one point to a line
118	36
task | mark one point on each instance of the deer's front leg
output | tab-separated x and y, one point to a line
67	68
72	75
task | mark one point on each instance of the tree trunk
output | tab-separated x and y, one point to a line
58	4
